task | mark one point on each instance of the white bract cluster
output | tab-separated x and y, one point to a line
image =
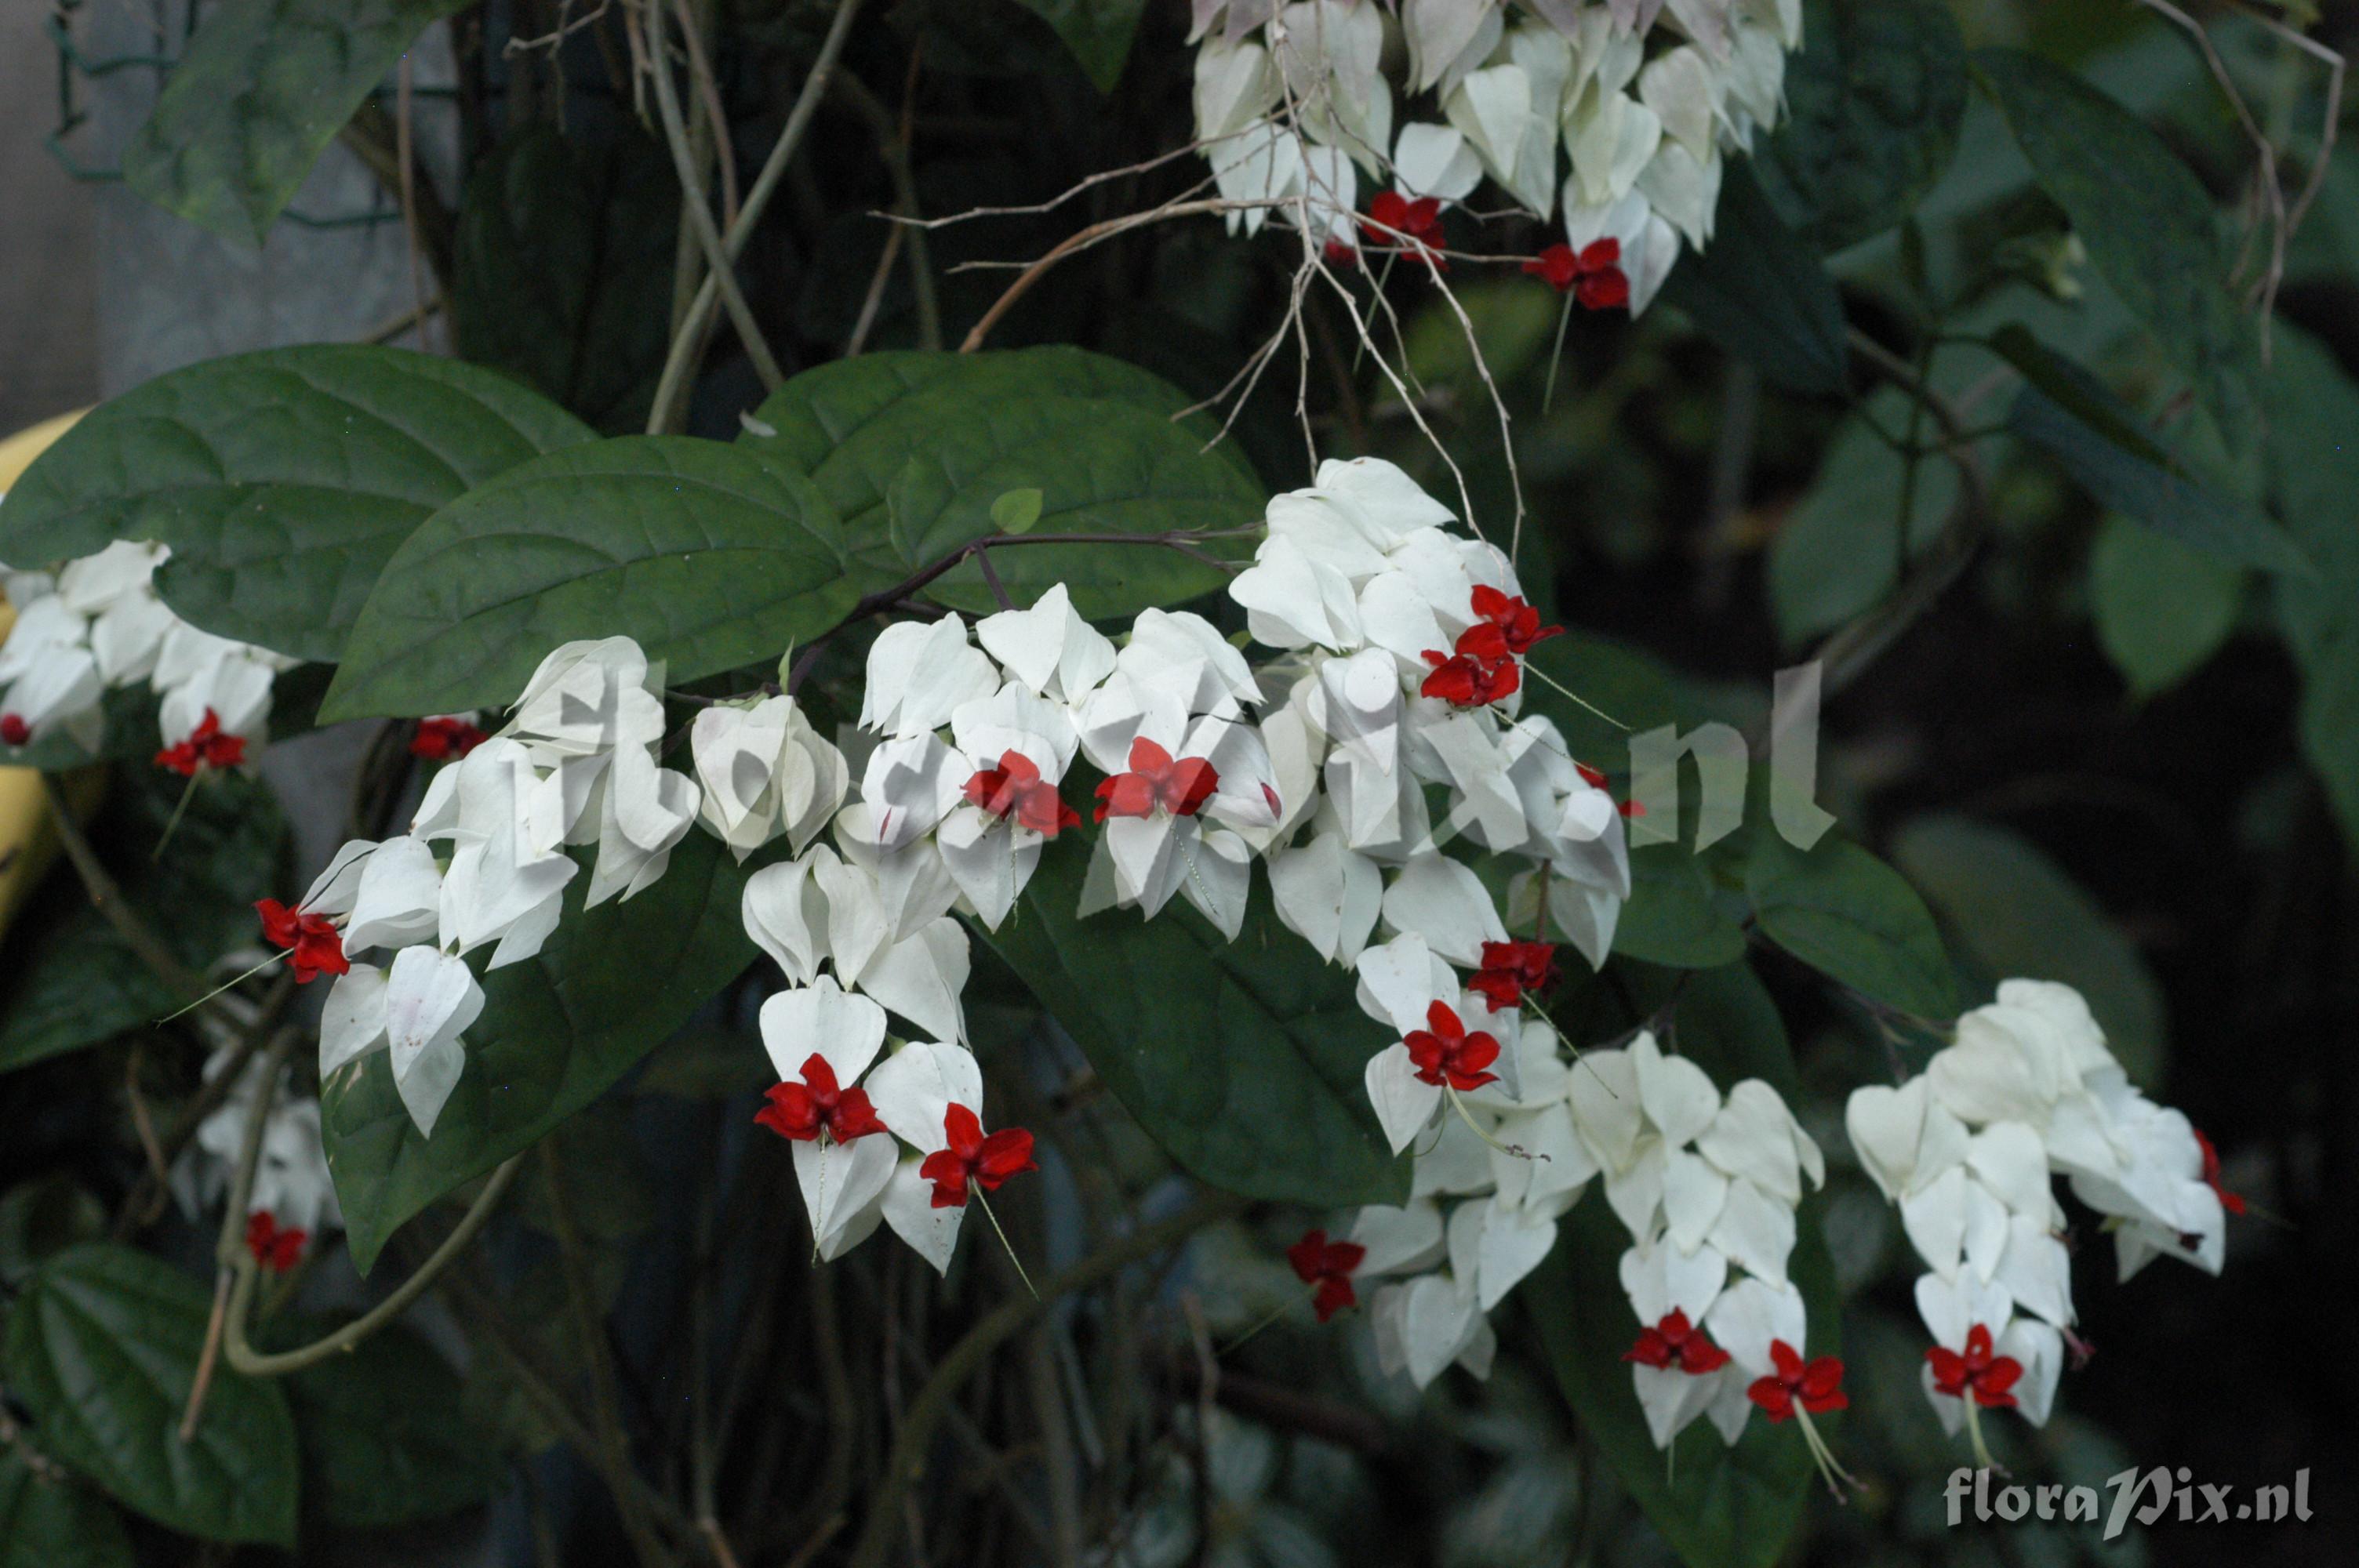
96	625
1968	1149
290	1176
1611	115
483	863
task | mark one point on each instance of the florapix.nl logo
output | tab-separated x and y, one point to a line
2145	1496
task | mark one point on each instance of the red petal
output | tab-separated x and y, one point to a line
1822	1379
1146	757
1332	1296
854	1117
948	1172
1308	1256
963	1131
1999	1376
1786	1359
1006	1153
1772	1396
1648	1350
1443	1022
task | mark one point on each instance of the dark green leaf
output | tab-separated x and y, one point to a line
2146	491
52	1521
1872	108
1719	1507
1097	31
282	480
1250	1073
1092	434
2314	472
102	1348
1671	917
384	1437
709	556
556	1032
74	981
1854	919
2162	608
1762	293
257	96
1839	550
2147	221
2102	443
45	1217
2015	912
563	270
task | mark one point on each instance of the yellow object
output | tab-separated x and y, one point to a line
28	842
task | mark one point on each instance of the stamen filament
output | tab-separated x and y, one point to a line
1012	1257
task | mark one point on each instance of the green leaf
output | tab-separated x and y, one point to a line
44	1216
257	96
1762	293
74	981
1718	1506
2162	608
711	556
951	433
1249	1071
1872	102
2314	472
102	1348
2149	223
56	1522
1673	917
282	480
2016	912
562	269
1839	552
2073	417
1017	511
1098	32
556	1032
1854	919
384	1437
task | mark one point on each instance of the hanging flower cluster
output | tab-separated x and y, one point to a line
1968	1149
292	1201
97	625
1611	117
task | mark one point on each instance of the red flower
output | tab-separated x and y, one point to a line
1328	1265
1990	1376
14	730
1593	273
1518	623
1155	780
1675	1342
441	740
1341	252
276	1249
973	1157
801	1111
2233	1202
317	949
1512	968
1445	1053
1464	681
1397	222
1014	788
1818	1385
205	747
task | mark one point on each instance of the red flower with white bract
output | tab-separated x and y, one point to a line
1674	1342
1593	273
1466	679
204	747
1977	1372
1395	223
800	1112
2233	1203
445	738
1157	783
276	1249
317	946
1328	1266
1015	790
1512	970
1816	1386
1517	623
1447	1054
969	1157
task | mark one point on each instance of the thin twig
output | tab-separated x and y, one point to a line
719	264
678	363
107	898
910	1446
